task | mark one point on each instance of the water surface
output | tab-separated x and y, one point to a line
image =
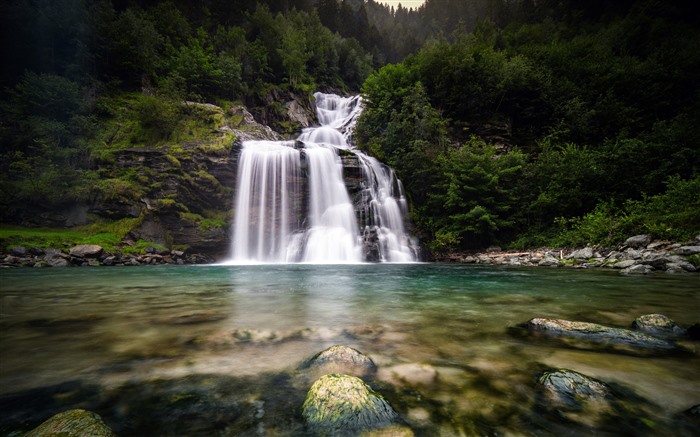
215	350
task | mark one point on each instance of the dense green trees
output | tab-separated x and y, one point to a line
581	116
68	65
509	122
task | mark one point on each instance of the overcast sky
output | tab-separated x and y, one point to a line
405	3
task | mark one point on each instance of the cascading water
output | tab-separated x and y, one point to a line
293	203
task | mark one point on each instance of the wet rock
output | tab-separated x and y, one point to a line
569	390
657	324
592	336
340	405
73	423
624	264
86	251
638	269
341	359
638	241
575	397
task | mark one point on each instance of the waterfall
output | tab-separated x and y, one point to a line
297	201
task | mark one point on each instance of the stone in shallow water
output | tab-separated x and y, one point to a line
569	390
341	359
638	269
340	405
73	423
584	335
657	324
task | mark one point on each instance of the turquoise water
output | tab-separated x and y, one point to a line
135	343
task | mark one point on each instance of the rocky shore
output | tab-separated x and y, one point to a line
638	255
92	255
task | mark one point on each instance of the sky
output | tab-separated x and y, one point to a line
405	3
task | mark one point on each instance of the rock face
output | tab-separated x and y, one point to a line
342	405
342	359
657	324
585	335
73	423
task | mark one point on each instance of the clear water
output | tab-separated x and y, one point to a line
134	344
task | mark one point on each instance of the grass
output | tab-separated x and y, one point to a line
106	234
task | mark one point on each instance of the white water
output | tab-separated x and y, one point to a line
274	223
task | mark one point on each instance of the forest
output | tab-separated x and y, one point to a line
516	123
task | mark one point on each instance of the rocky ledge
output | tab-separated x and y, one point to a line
638	255
93	255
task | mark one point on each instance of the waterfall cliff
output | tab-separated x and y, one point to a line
318	199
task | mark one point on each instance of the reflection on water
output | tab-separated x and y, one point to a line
133	334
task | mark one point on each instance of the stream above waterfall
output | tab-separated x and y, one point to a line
319	200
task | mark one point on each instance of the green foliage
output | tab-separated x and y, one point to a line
106	234
473	197
141	247
673	215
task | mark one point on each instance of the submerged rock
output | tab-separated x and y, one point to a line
411	374
566	390
344	359
580	399
657	324
584	335
340	405
73	423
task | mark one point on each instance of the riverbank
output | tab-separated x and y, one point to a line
638	255
92	255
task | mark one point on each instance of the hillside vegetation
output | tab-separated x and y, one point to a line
512	123
549	131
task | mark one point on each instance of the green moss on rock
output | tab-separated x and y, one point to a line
340	404
73	423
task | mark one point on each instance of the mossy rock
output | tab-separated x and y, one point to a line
344	405
341	359
592	336
657	324
72	423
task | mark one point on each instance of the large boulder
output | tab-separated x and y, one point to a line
341	359
343	405
72	423
86	251
638	241
592	336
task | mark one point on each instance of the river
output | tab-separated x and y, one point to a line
215	350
